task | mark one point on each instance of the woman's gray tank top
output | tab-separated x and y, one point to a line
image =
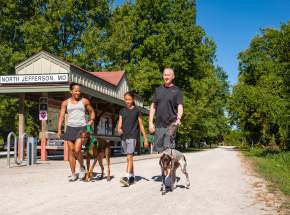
76	114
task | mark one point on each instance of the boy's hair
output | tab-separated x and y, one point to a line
71	85
131	94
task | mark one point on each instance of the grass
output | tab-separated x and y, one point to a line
1	144
274	166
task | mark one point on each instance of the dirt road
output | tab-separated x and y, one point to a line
219	185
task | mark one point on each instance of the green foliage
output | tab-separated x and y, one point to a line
260	104
234	138
147	36
66	28
9	117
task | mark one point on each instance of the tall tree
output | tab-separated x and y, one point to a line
146	36
62	27
260	101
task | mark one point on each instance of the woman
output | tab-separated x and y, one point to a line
75	107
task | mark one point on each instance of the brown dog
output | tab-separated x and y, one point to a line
98	153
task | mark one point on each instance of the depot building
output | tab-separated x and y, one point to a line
45	78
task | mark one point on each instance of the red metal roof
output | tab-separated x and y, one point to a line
111	77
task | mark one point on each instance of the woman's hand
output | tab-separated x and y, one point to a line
146	144
90	122
58	134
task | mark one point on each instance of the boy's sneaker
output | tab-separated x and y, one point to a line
74	177
131	180
125	181
82	174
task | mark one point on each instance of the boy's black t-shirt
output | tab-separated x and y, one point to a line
130	123
166	100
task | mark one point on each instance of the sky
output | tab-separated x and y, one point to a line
233	23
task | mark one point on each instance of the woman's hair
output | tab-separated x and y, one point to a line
71	85
132	95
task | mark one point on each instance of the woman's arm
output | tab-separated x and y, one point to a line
90	110
140	122
61	117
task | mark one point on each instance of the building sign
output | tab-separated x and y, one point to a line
24	79
42	115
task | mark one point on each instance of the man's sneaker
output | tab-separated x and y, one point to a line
125	181
131	180
82	174
73	177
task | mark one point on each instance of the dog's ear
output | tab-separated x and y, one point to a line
161	160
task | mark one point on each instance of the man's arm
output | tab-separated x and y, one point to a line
151	117
179	114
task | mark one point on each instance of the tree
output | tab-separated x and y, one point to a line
146	36
260	101
62	27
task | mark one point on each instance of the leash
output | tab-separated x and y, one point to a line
93	140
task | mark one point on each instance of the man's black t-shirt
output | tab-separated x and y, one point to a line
130	122
166	100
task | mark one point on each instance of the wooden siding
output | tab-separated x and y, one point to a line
45	63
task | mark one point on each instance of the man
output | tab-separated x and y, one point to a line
168	105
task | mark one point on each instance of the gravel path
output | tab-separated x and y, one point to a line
219	185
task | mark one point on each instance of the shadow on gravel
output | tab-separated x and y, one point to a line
139	178
96	177
24	165
158	178
182	187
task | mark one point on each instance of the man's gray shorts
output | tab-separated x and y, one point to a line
128	146
165	138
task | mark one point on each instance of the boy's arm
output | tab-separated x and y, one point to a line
151	117
120	131
140	122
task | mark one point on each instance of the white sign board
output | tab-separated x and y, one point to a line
24	79
42	115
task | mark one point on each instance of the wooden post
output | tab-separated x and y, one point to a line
21	121
43	140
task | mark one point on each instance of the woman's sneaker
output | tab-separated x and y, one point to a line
82	174
125	181
73	177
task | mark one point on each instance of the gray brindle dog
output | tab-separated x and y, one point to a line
170	160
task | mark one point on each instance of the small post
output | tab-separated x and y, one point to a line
9	146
